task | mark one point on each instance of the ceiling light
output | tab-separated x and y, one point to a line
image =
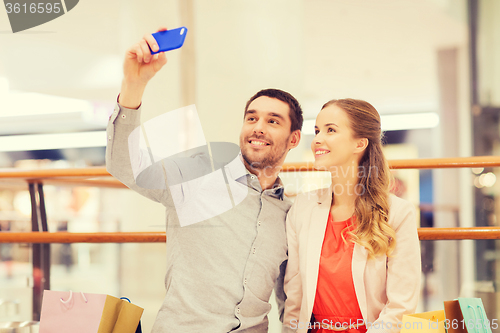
16	104
52	141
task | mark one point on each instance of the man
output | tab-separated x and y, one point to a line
220	271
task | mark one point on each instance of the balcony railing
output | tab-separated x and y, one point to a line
87	177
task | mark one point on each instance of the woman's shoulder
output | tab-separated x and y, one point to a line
398	203
300	213
400	209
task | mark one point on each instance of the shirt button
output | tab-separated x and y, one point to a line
254	250
109	137
245	282
252	176
124	116
258	223
238	310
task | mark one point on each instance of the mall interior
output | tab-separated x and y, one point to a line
430	67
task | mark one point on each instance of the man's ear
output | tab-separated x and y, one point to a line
361	145
294	139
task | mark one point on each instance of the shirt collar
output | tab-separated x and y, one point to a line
236	168
238	172
277	190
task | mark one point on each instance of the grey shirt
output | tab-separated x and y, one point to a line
221	271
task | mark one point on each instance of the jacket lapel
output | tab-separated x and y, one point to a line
317	228
359	257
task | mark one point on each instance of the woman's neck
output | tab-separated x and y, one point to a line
345	188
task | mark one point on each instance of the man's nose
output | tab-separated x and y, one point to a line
259	128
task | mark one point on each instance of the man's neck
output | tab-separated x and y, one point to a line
267	176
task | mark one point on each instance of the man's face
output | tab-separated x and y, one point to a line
265	136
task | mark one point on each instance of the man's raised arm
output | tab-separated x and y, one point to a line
139	67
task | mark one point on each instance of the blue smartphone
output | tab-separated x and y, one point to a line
170	39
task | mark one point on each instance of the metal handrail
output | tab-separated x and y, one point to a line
95	237
423	163
160	237
80	174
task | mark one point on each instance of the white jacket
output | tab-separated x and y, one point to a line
386	287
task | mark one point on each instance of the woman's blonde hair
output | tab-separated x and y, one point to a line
371	206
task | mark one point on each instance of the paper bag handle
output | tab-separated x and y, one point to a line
71	295
474	313
480	310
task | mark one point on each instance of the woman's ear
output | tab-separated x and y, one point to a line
361	145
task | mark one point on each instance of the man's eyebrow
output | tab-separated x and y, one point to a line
271	114
277	115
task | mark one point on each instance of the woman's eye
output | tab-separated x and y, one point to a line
316	132
331	130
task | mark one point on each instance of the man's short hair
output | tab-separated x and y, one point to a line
295	109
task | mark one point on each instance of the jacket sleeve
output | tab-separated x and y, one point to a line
403	272
123	150
293	282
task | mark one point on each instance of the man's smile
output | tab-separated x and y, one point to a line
258	143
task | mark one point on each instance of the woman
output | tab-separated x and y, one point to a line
354	256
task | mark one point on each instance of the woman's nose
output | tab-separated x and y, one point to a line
318	139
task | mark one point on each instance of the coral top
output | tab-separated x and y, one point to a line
335	300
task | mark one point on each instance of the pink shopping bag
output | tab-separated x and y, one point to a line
64	312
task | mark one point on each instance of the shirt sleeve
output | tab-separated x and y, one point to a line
122	123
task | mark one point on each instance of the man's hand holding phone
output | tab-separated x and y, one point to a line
139	67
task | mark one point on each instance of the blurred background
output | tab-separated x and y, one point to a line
430	67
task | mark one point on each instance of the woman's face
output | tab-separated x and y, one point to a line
334	144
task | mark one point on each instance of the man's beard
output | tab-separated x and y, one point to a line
270	160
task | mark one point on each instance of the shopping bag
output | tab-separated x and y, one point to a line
454	317
432	322
466	315
87	313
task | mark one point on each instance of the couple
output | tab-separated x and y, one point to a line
352	249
